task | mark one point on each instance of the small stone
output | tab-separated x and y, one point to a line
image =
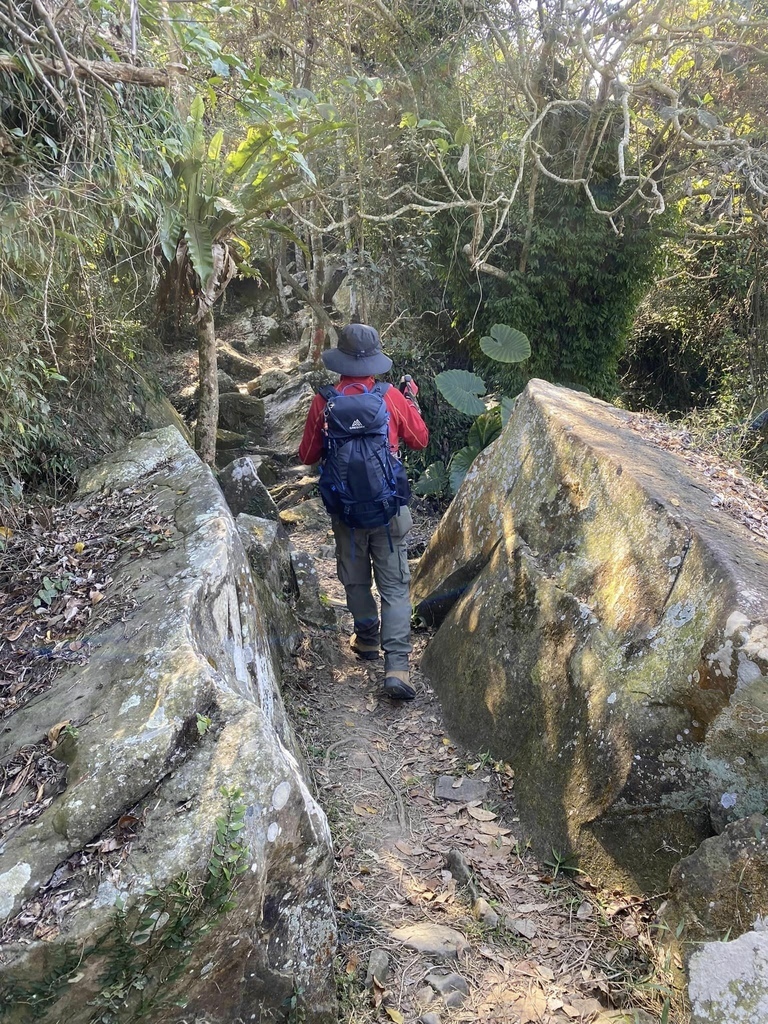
433	939
378	967
425	995
446	788
454	999
484	912
429	1018
459	869
447	983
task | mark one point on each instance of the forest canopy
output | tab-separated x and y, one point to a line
593	174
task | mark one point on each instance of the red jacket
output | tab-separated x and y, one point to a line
405	423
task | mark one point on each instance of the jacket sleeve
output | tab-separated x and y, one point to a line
411	428
311	447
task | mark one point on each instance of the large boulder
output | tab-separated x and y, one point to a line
604	631
186	864
272	380
721	889
245	491
243	414
729	981
233	363
269	553
286	413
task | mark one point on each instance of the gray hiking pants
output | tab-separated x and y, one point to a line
356	552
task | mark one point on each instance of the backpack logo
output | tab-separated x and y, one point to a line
362	482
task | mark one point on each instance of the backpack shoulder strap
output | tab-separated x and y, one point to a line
380	388
328	392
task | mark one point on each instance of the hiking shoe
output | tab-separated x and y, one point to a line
397	687
364	648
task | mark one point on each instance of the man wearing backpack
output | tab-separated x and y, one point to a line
356	429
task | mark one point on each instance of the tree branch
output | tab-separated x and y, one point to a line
111	72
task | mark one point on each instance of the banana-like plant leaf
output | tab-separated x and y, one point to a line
214	146
461	389
200	250
169	232
507	408
459	466
434	480
484	430
506	345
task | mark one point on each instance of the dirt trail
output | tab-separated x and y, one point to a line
536	946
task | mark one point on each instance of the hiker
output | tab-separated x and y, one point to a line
355	428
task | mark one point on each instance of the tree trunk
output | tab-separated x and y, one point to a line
208	402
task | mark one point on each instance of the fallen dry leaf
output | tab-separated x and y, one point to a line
56	730
395	1015
585	911
16	633
480	814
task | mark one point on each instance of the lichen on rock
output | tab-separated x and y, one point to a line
177	709
603	630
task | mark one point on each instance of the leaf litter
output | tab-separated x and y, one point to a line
56	587
56	593
561	950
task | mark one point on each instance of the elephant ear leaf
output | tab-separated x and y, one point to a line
459	466
462	389
434	480
485	429
506	345
507	408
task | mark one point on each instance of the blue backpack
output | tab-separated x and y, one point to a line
361	481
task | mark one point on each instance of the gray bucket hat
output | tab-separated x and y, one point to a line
358	353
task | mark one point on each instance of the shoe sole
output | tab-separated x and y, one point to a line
398	691
366	655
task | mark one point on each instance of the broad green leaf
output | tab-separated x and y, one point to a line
506	345
461	389
214	147
434	480
459	465
507	408
169	232
463	135
197	108
432	125
408	120
299	160
484	430
200	250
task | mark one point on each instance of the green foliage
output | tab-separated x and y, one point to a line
576	297
562	863
462	389
506	345
27	427
434	480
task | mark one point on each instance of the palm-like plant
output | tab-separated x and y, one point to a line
215	197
